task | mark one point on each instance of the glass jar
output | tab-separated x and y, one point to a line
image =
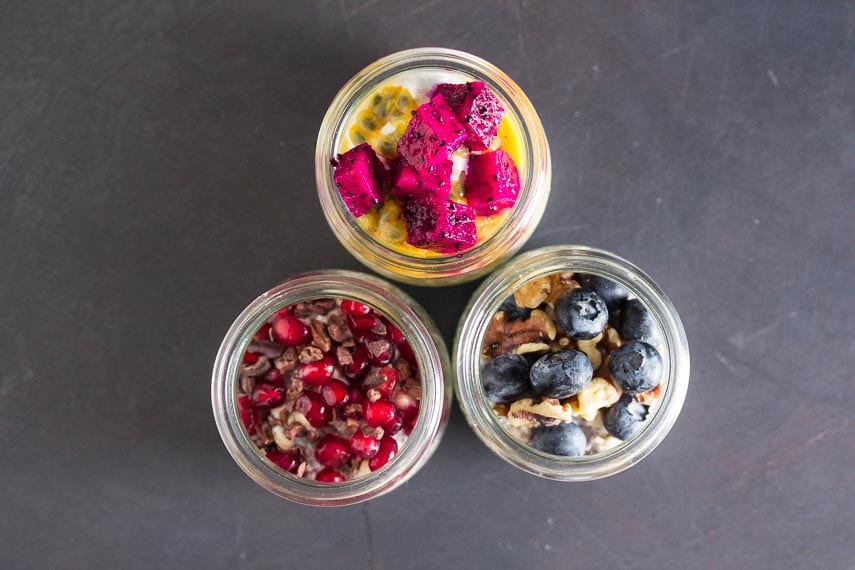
467	361
430	354
512	233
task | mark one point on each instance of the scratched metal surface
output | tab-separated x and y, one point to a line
156	174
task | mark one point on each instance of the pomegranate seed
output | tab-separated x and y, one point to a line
394	334
335	393
350	307
274	376
329	476
263	333
380	351
311	405
286	461
364	445
409	417
388	450
250	357
393	426
384	380
246	413
332	451
316	373
290	331
267	395
381	413
359	367
356	395
361	325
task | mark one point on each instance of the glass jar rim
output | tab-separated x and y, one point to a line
514	231
466	359
431	357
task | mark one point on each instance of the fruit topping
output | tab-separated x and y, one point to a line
477	108
437	223
328	389
636	366
562	439
625	418
492	182
581	314
561	374
432	134
505	378
359	176
590	385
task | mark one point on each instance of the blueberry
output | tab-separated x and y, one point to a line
637	366
561	374
505	378
612	293
636	323
625	418
514	312
581	314
563	439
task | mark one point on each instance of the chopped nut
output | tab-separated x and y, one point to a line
247	384
320	338
373	394
295	430
276	413
282	441
338	329
363	469
266	348
612	338
344	356
411	387
297	417
533	293
530	347
404	369
501	409
526	413
599	393
379	328
257	368
310	354
561	283
288	361
504	336
314	307
649	397
589	347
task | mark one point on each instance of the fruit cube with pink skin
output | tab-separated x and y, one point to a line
359	175
492	182
477	108
441	224
409	182
431	135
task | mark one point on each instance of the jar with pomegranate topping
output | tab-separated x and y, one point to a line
374	109
331	388
571	363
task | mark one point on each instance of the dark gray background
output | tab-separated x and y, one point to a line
156	174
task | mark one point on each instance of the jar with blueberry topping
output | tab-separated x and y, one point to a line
571	363
331	388
432	166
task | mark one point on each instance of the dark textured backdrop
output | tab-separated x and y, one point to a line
156	174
